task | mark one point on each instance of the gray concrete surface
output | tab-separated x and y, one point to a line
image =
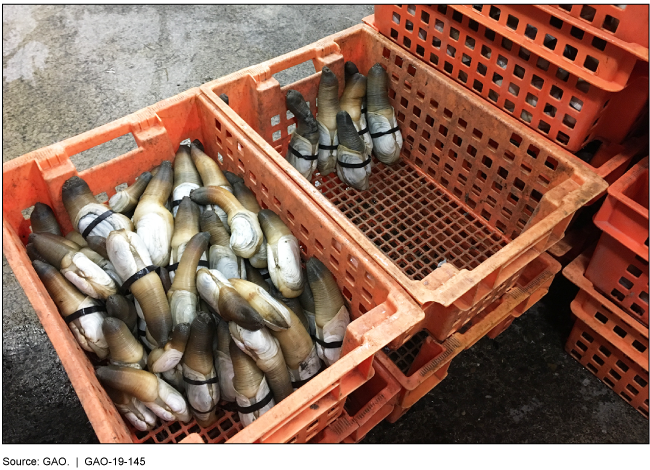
68	69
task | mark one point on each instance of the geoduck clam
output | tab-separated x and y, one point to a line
247	199
77	268
246	234
224	361
199	374
354	163
126	200
186	226
83	314
154	393
252	391
132	409
265	351
211	176
186	177
331	314
182	295
124	349
297	347
128	253
302	153
44	220
283	254
328	106
352	100
153	222
87	215
118	306
386	136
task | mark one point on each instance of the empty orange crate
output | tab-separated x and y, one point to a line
474	187
382	311
366	407
564	100
619	266
422	363
623	25
604	316
624	214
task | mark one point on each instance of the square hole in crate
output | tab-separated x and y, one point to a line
530	32
512	22
470	43
524	53
486	51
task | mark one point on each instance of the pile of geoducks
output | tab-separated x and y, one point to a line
189	305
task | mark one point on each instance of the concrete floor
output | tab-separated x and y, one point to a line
68	69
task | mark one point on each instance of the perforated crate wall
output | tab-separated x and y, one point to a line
610	365
560	105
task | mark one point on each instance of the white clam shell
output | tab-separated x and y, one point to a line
89	278
260	259
119	201
387	147
303	147
224	260
226	376
87	329
245	234
332	331
308	367
206	284
137	414
243	401
201	397
358	178
120	248
174	401
183	305
168	361
259	345
91	211
156	234
284	266
180	191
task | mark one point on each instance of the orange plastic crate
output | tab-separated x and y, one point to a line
609	364
623	25
422	363
624	214
474	187
382	311
366	407
610	162
546	91
619	266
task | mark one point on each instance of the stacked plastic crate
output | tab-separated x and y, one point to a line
610	336
551	68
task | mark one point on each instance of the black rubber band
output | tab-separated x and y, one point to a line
364	131
174	267
256	406
379	134
353	165
327	147
300	155
300	383
213	380
143	272
84	311
265	274
363	110
334	345
95	222
176	202
142	332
